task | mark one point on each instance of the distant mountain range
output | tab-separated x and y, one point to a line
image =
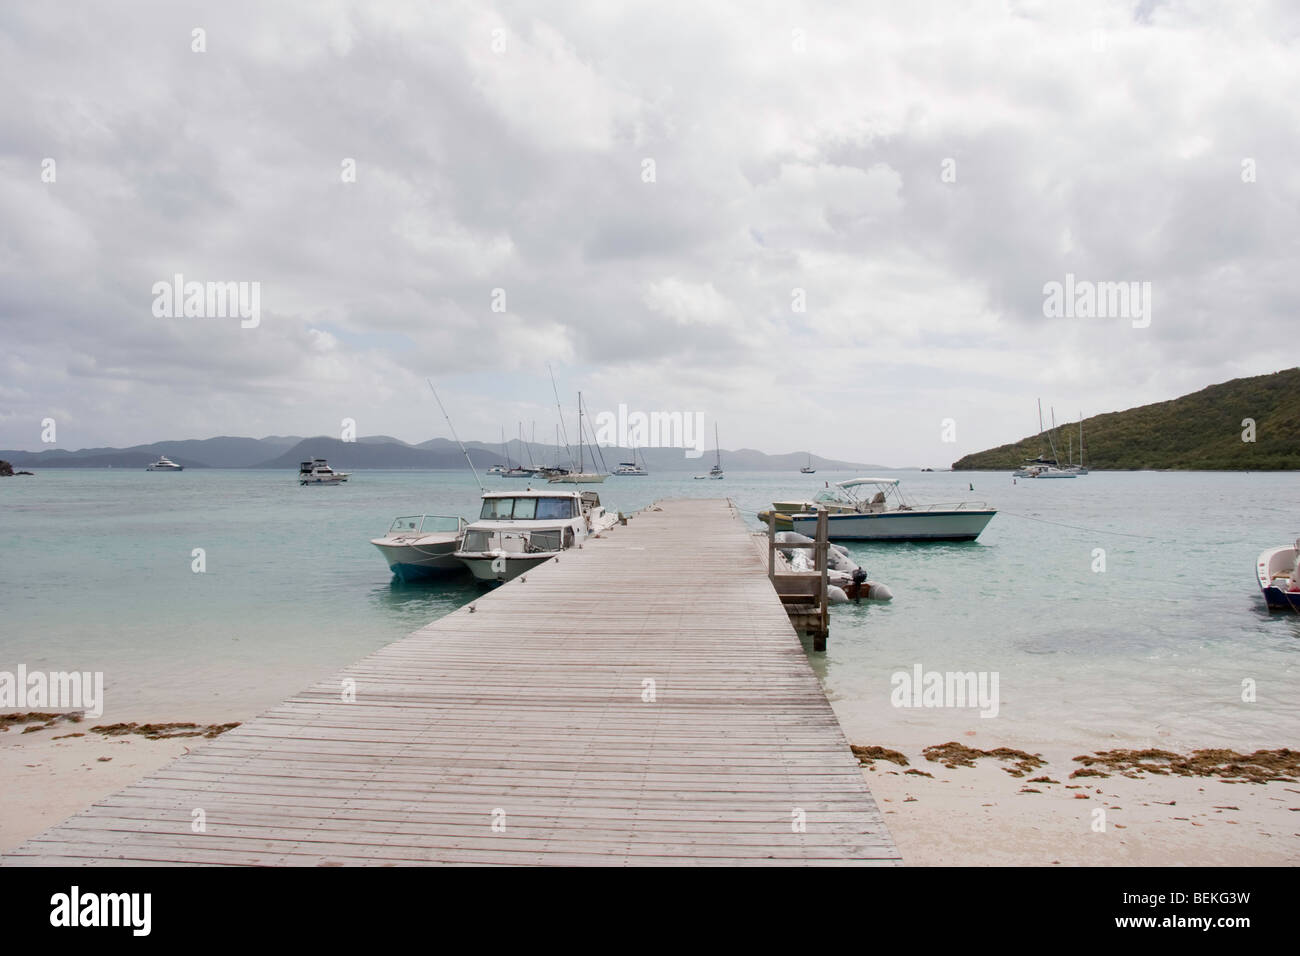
1202	431
381	451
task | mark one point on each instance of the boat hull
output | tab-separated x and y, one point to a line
1275	571
411	561
898	526
497	569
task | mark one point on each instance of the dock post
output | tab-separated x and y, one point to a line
771	545
823	562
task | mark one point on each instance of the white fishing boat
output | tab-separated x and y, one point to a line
318	472
164	464
421	546
518	530
1278	572
886	515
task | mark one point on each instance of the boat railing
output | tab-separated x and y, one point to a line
949	506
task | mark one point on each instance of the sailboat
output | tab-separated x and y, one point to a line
630	468
808	469
1078	469
716	471
1042	467
519	471
580	477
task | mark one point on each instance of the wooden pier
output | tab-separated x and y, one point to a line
643	700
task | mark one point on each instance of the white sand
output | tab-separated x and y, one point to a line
977	816
48	780
964	816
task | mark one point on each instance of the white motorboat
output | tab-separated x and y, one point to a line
518	530
1278	571
421	546
318	472
887	515
164	464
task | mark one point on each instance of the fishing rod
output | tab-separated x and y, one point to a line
455	436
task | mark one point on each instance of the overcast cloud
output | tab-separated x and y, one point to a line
795	146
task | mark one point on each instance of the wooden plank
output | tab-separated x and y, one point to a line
612	707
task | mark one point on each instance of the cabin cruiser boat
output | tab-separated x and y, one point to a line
317	472
1278	570
164	464
518	530
518	471
886	515
421	546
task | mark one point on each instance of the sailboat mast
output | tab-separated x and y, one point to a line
580	433
717	446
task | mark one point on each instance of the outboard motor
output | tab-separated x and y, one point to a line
859	579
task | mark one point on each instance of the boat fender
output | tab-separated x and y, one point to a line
878	592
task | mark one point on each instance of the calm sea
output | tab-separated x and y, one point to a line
96	574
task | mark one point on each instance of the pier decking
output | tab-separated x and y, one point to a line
641	701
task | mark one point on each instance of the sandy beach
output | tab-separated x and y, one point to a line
940	814
957	815
52	772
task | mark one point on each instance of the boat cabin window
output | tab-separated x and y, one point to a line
555	508
526	509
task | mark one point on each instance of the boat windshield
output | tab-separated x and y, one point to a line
426	524
526	509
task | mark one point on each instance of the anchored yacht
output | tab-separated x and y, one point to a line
164	464
317	472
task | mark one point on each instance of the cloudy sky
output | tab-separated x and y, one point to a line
651	185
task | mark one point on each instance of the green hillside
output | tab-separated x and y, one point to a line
1198	432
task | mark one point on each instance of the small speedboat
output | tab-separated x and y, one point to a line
318	472
164	464
1278	571
421	546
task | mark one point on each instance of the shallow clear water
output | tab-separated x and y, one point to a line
95	574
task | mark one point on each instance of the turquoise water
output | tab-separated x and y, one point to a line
95	574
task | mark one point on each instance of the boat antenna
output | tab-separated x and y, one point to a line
454	435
